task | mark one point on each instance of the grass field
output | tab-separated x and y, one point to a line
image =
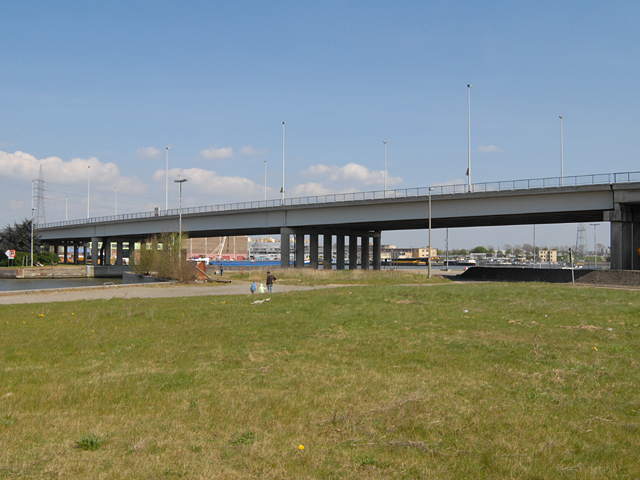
366	381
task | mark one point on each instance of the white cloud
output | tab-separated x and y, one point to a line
489	149
148	152
309	189
353	173
201	181
217	153
252	151
23	166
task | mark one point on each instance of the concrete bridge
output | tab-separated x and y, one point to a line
613	198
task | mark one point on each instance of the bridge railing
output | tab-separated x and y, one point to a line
500	186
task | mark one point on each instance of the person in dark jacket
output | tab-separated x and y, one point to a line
270	279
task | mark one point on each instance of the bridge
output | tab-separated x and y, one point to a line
362	216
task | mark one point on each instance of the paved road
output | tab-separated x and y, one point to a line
135	291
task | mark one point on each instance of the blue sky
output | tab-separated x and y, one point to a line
110	85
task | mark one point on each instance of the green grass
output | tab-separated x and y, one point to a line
374	381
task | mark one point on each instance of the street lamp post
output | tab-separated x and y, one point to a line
166	182
283	124
561	153
265	181
385	168
115	201
469	129
88	187
429	254
446	255
66	208
32	210
180	181
595	248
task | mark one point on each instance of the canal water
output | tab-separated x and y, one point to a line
12	284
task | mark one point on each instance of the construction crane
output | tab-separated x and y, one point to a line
217	252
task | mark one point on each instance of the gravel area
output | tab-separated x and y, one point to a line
627	278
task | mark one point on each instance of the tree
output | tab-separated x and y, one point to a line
18	237
479	250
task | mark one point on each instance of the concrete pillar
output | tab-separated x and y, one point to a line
299	256
364	252
353	252
313	251
377	251
120	252
65	253
625	237
105	250
340	252
285	246
86	253
95	253
327	252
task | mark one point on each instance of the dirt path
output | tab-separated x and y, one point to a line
135	291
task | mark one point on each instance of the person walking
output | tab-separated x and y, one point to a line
270	279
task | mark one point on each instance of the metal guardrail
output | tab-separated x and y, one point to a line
506	185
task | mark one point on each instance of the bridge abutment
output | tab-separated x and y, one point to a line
625	237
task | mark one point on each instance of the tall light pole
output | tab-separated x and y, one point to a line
283	124
595	248
469	117
66	208
32	210
166	182
429	254
385	168
265	181
115	201
88	187
180	181
561	153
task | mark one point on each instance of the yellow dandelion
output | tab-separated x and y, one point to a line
595	348
301	447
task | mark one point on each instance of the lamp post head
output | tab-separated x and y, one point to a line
468	85
284	123
180	180
560	117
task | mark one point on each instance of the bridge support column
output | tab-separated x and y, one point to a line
340	252
377	250
313	251
327	251
625	237
119	252
299	255
353	252
285	246
364	252
95	252
105	252
65	253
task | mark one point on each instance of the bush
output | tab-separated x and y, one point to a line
160	257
